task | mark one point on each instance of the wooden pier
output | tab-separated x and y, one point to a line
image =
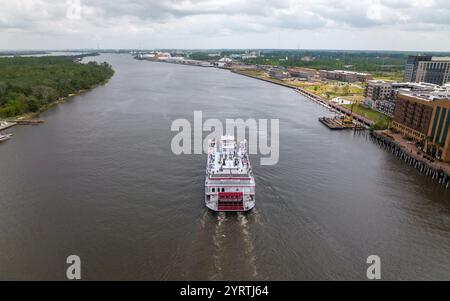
431	168
6	124
29	122
335	107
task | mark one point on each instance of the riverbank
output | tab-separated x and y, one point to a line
314	97
437	170
30	85
409	153
32	115
91	167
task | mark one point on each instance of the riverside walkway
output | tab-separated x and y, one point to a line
408	152
316	98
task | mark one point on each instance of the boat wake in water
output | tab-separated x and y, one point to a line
225	240
218	239
247	237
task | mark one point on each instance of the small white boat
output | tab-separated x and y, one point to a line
5	137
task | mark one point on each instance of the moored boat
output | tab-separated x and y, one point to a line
5	137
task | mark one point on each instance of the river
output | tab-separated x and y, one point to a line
99	180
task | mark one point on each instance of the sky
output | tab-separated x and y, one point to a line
416	25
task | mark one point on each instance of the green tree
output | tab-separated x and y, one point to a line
346	90
29	83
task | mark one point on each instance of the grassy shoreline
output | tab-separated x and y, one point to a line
380	120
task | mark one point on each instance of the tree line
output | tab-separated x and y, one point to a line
28	84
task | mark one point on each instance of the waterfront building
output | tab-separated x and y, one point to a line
278	73
345	76
438	134
425	90
429	69
224	62
386	106
304	73
242	67
412	116
379	95
424	118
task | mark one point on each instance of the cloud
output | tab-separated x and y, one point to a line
130	20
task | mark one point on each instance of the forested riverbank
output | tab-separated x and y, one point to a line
30	84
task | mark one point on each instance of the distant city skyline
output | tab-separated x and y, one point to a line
397	25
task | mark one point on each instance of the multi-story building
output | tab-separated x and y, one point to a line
386	106
379	95
428	69
411	66
438	134
345	76
278	73
425	90
412	116
378	89
304	73
424	118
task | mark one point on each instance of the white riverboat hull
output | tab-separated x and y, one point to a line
229	183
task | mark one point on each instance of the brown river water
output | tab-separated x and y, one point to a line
99	180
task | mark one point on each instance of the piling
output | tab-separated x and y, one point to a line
414	160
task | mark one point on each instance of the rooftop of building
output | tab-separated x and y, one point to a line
426	95
346	72
412	85
441	58
302	69
378	82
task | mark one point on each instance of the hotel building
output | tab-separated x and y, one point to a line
425	119
428	69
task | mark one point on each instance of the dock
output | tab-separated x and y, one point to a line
29	122
337	124
332	123
322	101
335	107
6	125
